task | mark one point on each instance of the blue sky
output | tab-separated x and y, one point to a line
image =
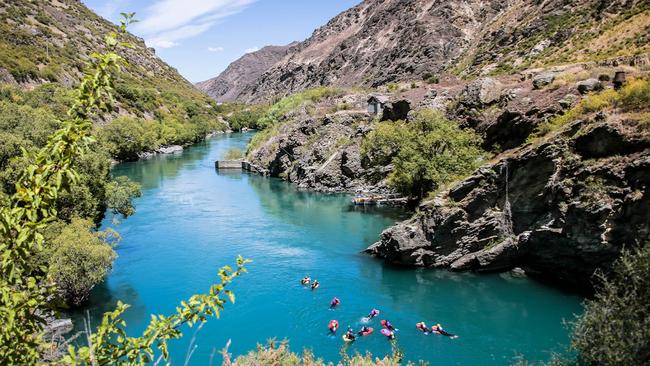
201	37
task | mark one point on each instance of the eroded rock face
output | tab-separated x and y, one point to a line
322	154
559	210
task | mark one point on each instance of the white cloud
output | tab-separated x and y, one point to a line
169	39
110	8
215	49
168	21
252	49
161	43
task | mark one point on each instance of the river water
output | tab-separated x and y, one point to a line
191	220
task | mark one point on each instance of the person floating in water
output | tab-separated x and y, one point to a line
335	302
386	324
315	284
333	325
305	280
373	313
388	333
349	335
365	331
422	327
437	329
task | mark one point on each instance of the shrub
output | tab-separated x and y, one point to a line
431	78
635	95
427	152
392	87
279	354
292	102
615	328
247	117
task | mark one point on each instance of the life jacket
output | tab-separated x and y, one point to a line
333	325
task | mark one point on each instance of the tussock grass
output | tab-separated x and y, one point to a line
633	97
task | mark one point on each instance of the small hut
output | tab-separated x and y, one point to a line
376	104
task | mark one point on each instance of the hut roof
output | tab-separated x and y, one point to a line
378	98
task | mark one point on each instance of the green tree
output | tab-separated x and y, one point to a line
77	258
427	152
125	137
615	327
119	195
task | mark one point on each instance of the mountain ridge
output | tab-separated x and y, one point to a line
380	42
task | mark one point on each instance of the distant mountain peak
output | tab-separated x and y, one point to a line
229	84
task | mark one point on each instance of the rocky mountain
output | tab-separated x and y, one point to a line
230	83
385	41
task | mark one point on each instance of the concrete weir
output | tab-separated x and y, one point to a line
228	164
232	165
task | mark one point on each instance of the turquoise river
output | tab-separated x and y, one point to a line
191	220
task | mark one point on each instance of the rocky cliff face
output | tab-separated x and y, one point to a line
321	151
559	209
230	83
384	41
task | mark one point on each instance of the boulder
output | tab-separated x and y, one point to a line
481	92
568	101
589	85
396	110
542	80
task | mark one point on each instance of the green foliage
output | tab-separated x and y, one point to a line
25	295
247	117
271	121
119	195
261	137
77	258
635	96
615	328
125	137
279	354
427	152
431	78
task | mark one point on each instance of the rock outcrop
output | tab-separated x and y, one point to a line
558	209
322	153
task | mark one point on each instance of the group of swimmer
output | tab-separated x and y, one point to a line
350	335
306	280
388	330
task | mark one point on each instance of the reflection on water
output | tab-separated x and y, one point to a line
192	219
